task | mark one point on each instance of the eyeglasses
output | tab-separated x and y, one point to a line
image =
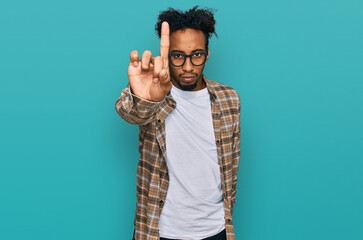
178	59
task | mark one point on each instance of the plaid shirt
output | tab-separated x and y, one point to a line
152	171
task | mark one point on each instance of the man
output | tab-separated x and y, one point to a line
189	139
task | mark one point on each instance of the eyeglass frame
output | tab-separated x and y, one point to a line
187	56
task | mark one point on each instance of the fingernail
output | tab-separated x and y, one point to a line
166	75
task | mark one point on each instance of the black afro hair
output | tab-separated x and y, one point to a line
200	19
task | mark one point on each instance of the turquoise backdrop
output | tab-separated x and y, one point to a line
68	161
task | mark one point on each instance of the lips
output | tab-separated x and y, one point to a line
188	78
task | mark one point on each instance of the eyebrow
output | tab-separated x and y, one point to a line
196	50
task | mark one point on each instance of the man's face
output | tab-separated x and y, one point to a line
187	41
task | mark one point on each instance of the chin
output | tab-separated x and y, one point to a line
187	87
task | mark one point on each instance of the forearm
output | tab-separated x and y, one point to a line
235	164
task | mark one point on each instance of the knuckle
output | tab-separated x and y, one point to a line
147	53
145	59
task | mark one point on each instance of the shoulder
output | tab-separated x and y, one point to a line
225	93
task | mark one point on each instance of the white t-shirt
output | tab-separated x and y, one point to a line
193	207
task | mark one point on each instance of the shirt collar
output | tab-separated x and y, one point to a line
211	88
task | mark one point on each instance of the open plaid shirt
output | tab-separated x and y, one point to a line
152	171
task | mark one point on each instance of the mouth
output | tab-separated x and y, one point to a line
188	78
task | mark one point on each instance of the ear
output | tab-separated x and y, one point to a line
208	55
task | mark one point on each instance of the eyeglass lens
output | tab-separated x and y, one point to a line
179	59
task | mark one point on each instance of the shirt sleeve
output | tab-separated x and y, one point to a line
235	154
134	109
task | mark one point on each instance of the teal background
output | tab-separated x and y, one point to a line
68	161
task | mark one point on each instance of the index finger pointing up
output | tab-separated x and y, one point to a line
164	40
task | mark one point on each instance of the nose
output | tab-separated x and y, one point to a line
188	66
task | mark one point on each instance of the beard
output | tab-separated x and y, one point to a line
186	87
177	76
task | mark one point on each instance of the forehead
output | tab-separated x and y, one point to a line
187	40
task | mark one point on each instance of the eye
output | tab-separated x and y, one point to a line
178	55
197	55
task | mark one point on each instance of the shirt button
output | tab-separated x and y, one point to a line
162	147
216	114
161	201
217	141
229	220
158	120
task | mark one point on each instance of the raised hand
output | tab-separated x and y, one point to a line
149	77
